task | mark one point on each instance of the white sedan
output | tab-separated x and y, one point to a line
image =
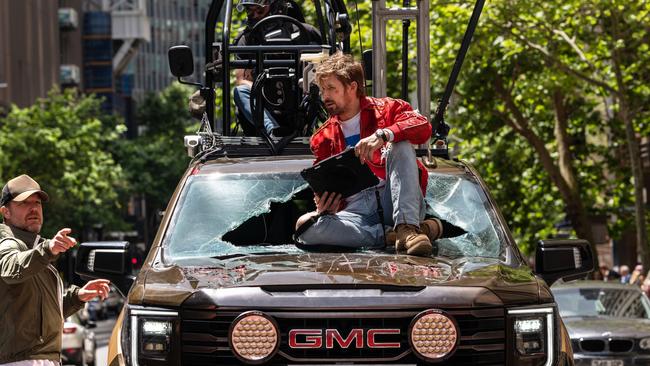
78	345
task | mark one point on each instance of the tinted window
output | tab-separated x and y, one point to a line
227	214
618	303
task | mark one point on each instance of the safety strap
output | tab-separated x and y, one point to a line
380	212
305	225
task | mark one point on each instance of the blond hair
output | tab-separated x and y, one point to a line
345	69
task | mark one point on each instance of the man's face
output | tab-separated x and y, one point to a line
336	95
256	12
26	215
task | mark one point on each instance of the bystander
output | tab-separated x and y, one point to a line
33	303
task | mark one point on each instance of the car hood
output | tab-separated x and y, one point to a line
492	281
599	327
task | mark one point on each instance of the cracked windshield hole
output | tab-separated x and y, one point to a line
238	214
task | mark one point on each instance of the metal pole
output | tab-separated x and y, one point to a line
406	23
379	49
207	92
423	59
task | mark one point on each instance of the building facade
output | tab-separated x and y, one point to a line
29	51
172	23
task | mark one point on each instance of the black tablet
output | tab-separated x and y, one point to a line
342	173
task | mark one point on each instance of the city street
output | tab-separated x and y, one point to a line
103	335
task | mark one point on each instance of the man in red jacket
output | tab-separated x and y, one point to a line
382	131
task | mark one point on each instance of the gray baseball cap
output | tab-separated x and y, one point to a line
19	188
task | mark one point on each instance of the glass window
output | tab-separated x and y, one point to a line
227	214
596	302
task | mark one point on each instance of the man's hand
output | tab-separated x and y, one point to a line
328	203
62	242
367	146
93	289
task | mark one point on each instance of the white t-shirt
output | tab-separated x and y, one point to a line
352	130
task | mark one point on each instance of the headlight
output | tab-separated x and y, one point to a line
530	335
254	337
151	332
155	337
644	344
433	335
533	334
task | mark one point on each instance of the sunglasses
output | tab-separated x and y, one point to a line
256	10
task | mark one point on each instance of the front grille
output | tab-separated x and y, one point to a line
482	337
602	345
621	345
592	345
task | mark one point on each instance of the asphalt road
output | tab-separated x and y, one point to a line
103	335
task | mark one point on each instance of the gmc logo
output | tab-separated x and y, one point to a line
313	338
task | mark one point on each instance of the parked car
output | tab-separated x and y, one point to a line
78	343
96	309
608	323
114	301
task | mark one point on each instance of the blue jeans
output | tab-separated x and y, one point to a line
359	224
242	97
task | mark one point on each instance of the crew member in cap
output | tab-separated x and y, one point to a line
256	10
33	303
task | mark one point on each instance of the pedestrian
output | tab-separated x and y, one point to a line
608	274
33	303
636	278
625	274
645	287
382	131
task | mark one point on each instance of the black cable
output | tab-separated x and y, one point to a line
356	6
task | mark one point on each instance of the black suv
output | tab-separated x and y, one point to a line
224	285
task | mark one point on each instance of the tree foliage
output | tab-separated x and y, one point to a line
537	105
64	142
156	159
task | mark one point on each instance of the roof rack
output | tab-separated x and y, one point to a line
207	145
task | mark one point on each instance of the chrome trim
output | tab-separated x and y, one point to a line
154	312
531	311
134	340
549	328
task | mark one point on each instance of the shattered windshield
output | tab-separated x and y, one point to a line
228	215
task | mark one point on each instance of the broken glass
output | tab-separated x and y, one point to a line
461	201
212	207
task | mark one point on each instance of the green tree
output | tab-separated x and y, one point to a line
543	137
64	142
156	159
528	111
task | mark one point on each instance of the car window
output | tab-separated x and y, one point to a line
618	303
227	214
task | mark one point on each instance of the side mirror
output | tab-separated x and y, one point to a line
181	61
109	260
367	63
563	258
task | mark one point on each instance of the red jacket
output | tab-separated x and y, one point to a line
393	114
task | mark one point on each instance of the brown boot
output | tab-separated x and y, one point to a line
432	228
410	238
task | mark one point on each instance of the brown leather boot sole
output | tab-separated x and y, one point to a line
422	249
